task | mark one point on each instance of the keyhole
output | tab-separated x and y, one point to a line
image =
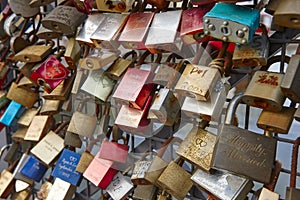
225	30
295	20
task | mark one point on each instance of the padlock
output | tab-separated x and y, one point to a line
62	91
98	84
51	107
166	106
26	83
136	84
23	195
89	27
38	3
61	190
25	97
264	91
167	70
114	5
292	193
197	148
108	31
12	24
72	54
98	59
47	34
104	121
236	148
290	83
64	19
81	76
66	166
231	23
7	181
135	121
100	172
158	39
48	149
267	191
192	29
210	110
84	6
168	180
253	54
84	129
278	122
33	169
27	117
19	135
222	185
12	113
85	160
119	187
135	31
39	127
34	53
23	8
287	14
197	82
120	65
146	172
12	153
45	188
145	192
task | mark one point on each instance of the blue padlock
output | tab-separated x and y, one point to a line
12	113
231	23
34	169
65	167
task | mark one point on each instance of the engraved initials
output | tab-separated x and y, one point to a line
268	79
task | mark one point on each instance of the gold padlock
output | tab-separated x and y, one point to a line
47	34
50	107
72	54
287	14
80	77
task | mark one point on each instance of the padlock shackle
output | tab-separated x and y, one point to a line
231	108
199	53
144	56
165	145
274	176
173	56
294	164
178	67
82	103
61	126
132	53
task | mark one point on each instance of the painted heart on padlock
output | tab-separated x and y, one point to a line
54	70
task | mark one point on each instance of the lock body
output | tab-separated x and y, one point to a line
34	169
33	53
27	117
50	107
84	129
13	111
145	192
63	19
23	8
231	23
6	183
98	61
39	127
287	14
223	185
108	31
290	82
25	97
264	91
61	190
85	160
198	148
135	31
119	187
118	68
72	54
245	153
163	34
197	82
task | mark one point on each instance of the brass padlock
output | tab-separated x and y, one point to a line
98	59
64	19
278	122
120	65
158	39
62	91
72	140
135	31
22	7
80	77
50	107
198	147
27	117
168	180
98	84
264	91
290	82
84	129
39	127
22	195
85	160
33	53
108	31
12	153
236	148
222	185
253	54
19	135
89	27
292	193
72	54
144	192
287	14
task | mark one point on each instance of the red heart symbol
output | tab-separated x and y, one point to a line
55	70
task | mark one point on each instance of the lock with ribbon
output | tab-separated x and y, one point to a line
135	31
